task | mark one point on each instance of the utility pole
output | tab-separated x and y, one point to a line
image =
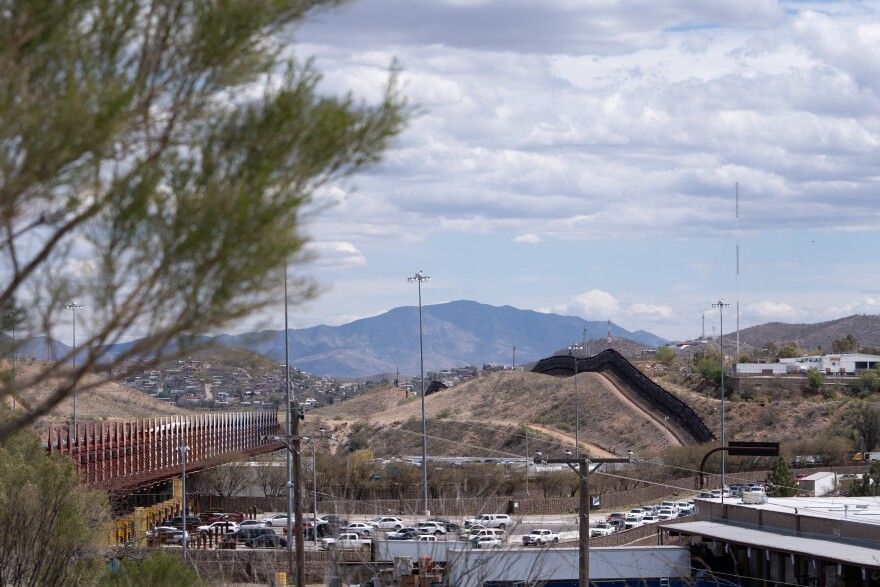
581	466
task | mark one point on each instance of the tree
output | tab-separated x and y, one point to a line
789	350
227	480
781	481
51	524
847	344
665	355
814	380
870	483
271	477
156	164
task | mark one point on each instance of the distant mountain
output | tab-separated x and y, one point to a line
455	334
865	329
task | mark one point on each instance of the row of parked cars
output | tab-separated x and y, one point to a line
646	514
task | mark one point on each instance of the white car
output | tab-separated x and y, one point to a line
665	514
276	520
361	528
386	523
486	542
632	521
650	519
221	527
252	524
430	527
602	529
638	512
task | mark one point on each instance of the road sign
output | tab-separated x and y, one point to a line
753	449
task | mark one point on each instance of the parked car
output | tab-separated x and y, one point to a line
386	523
345	540
266	541
540	537
665	514
177	537
429	527
223	527
486	542
408	533
650	519
231	539
224	517
616	516
632	521
638	513
602	529
252	524
276	520
490	521
616	524
160	534
192	522
361	528
447	523
427	538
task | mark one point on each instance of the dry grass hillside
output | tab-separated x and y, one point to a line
484	417
103	400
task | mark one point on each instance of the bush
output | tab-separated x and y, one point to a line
815	380
665	355
157	570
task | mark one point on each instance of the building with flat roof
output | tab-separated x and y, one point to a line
816	542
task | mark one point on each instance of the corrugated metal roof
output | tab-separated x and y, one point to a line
818	548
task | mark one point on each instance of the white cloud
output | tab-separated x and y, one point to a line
336	255
651	311
527	238
769	311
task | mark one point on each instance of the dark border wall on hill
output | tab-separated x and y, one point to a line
657	397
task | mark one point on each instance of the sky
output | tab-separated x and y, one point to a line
583	158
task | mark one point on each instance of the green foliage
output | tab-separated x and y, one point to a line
788	350
866	385
814	380
708	366
50	522
665	355
177	148
781	481
159	569
847	344
870	484
865	425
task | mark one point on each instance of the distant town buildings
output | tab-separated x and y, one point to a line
832	364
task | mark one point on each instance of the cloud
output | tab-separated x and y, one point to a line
335	255
651	310
769	311
527	238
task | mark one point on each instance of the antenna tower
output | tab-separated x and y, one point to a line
737	271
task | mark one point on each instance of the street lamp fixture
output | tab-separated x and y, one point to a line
419	278
73	307
581	466
721	305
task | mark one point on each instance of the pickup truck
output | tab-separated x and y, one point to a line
490	521
540	537
348	541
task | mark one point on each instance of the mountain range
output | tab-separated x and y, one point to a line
454	334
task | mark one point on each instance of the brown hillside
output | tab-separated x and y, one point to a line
866	330
485	416
103	399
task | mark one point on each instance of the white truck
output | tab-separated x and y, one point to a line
490	521
346	541
540	537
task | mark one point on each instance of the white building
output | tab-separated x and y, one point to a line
839	364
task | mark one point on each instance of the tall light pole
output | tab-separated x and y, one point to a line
581	466
419	278
183	449
721	305
73	307
577	411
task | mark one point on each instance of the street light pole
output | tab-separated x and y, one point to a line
288	461
419	278
183	449
581	466
577	411
73	306
721	305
